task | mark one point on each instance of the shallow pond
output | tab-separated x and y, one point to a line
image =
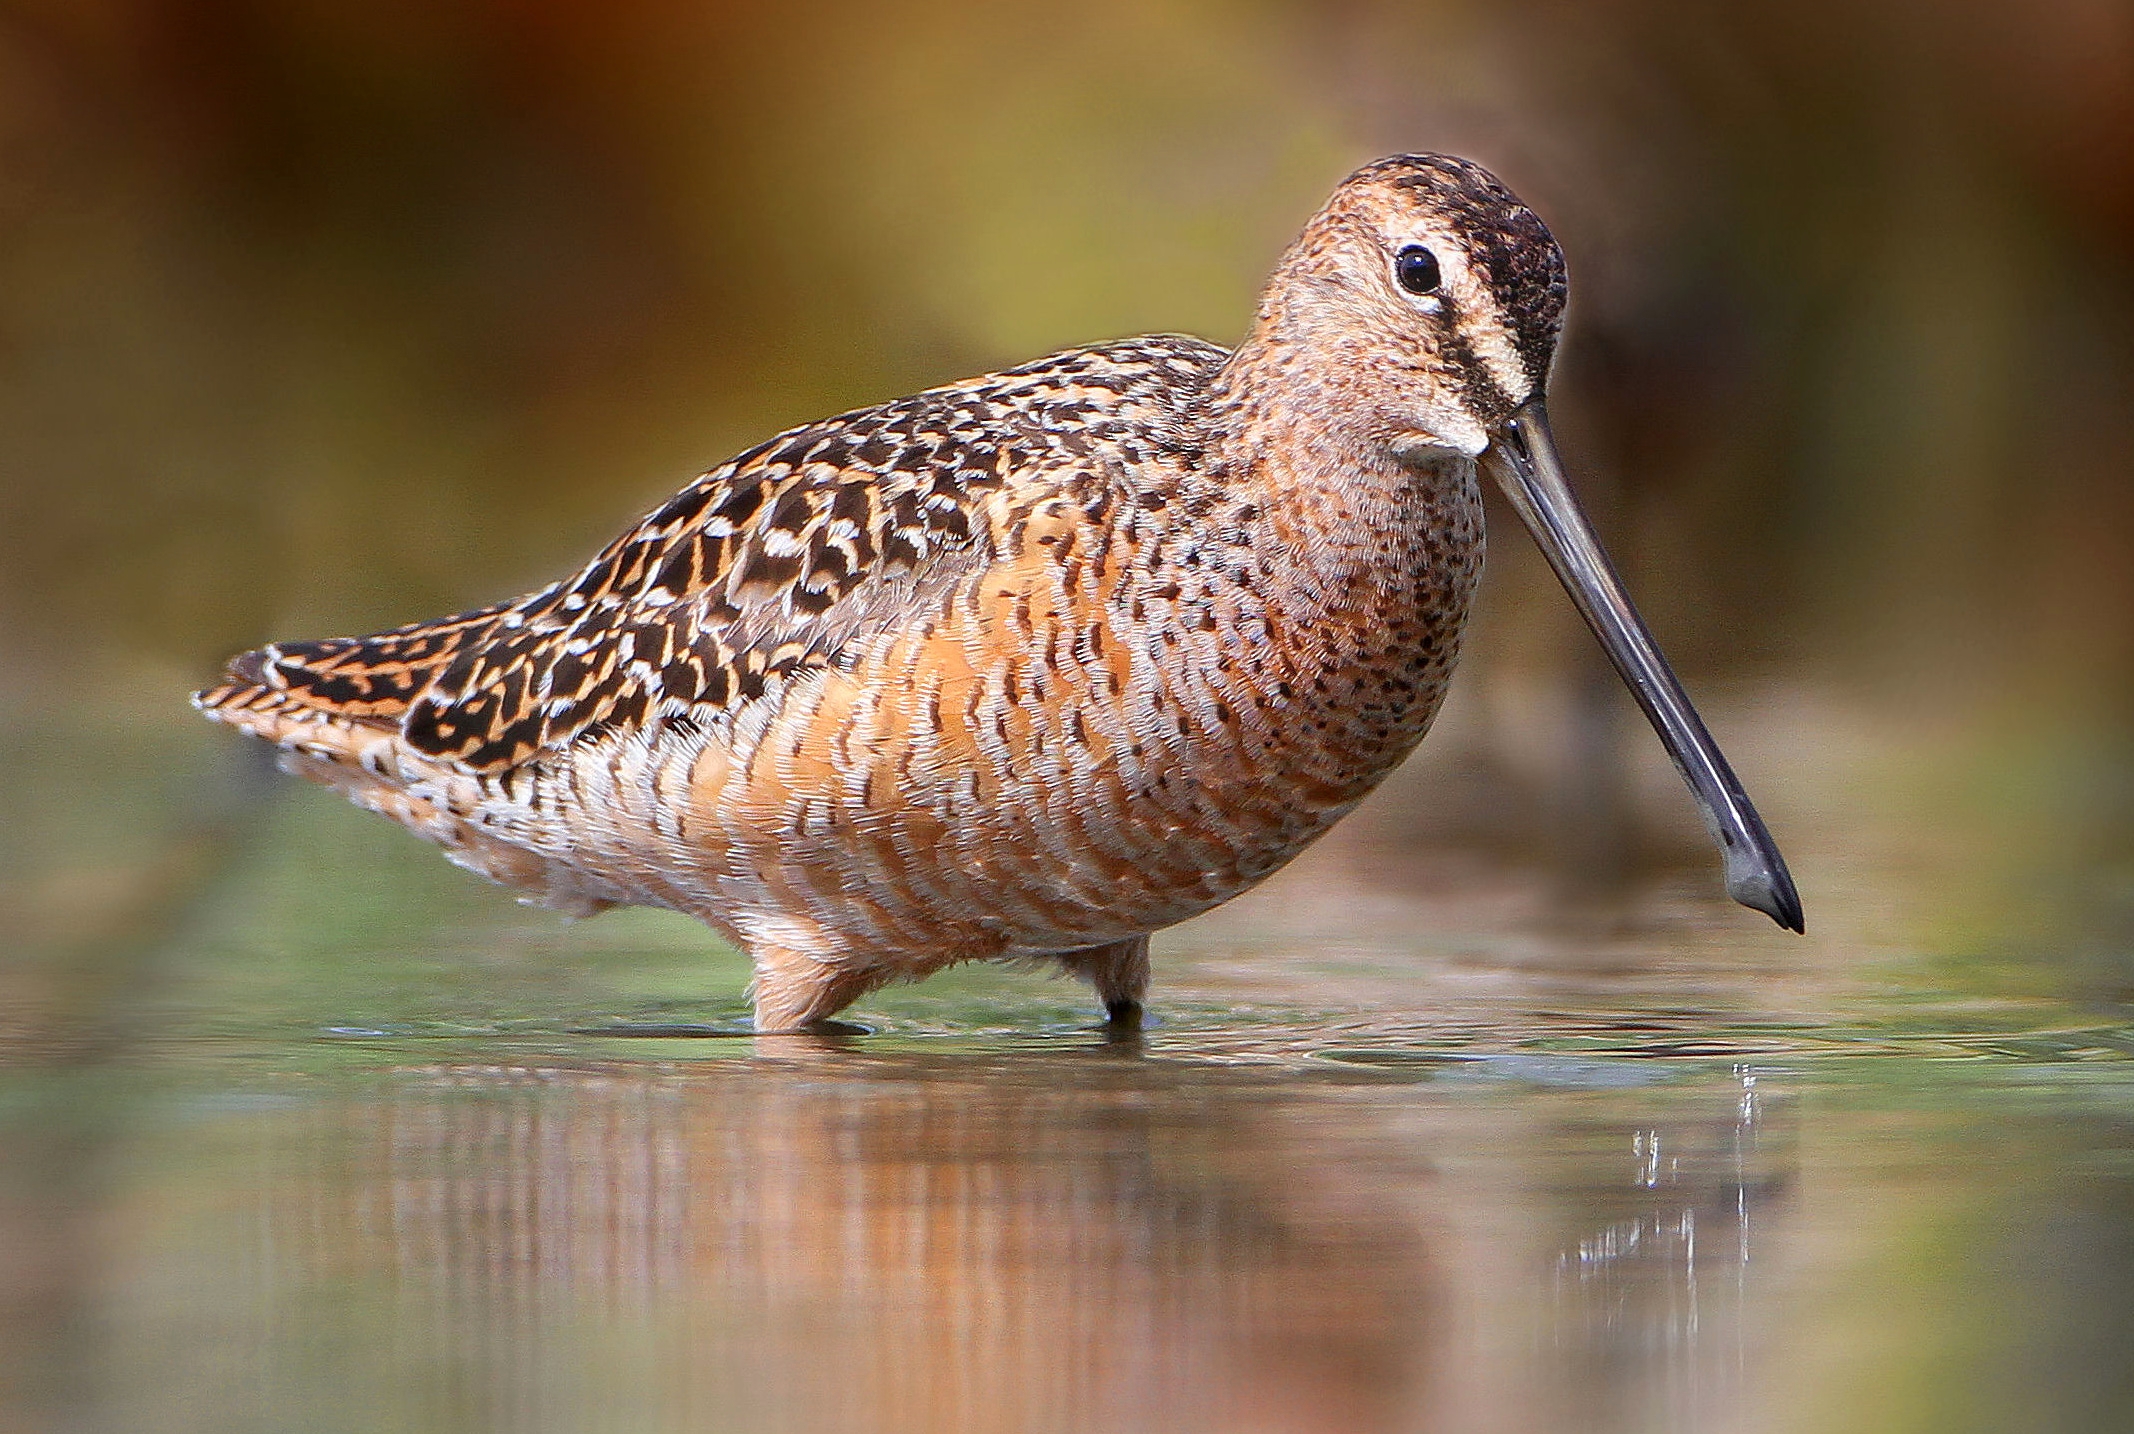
334	1139
1247	1219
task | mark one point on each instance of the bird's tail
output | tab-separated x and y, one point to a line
273	691
335	709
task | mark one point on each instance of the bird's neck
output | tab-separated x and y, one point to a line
1289	425
1364	563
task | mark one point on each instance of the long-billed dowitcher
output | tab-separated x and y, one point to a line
1030	665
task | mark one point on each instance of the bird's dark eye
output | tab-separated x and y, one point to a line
1416	268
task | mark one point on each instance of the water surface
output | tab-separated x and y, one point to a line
1250	1218
303	1129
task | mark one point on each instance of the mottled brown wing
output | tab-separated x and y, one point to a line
769	564
774	562
751	572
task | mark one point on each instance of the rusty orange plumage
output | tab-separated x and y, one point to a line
1030	665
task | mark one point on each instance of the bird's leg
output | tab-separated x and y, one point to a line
795	990
1120	972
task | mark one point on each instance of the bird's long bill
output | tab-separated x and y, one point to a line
1523	460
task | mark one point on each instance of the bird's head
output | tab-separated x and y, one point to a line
1435	295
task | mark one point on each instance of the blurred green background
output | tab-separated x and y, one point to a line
318	318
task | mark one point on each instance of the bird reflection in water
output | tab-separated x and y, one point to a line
826	1241
831	1239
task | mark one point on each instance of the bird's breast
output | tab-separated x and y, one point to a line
1345	634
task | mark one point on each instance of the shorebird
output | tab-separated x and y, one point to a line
1026	666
